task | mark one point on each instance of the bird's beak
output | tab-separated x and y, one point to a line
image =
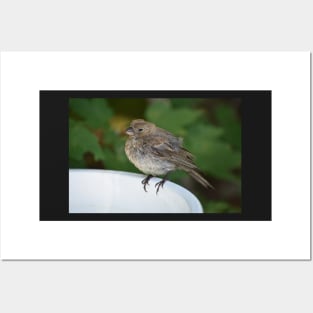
130	131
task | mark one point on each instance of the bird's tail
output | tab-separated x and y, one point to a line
195	174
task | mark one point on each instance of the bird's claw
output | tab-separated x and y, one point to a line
145	182
159	184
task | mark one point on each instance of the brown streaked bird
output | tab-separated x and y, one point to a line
157	152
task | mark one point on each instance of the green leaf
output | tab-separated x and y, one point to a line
82	140
219	207
96	112
213	155
184	102
174	120
157	109
226	118
76	163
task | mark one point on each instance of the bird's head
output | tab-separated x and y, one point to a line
140	128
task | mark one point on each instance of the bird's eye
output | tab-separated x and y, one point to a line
140	129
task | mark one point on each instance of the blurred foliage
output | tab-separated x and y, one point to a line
211	129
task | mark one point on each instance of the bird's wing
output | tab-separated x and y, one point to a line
170	150
163	145
165	135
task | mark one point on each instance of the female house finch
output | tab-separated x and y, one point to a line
155	151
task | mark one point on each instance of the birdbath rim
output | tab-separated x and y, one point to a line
116	182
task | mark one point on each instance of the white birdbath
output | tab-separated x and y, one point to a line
102	191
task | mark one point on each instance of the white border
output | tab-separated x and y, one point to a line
23	74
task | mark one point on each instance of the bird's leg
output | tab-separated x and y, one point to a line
146	182
161	183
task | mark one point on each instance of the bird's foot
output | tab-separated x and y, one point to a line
160	184
145	182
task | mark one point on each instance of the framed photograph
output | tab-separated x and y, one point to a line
220	128
155	155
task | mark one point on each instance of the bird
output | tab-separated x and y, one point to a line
157	152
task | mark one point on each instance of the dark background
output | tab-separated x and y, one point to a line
223	123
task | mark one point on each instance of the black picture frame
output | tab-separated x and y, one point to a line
256	108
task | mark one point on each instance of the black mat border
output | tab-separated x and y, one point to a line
256	156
